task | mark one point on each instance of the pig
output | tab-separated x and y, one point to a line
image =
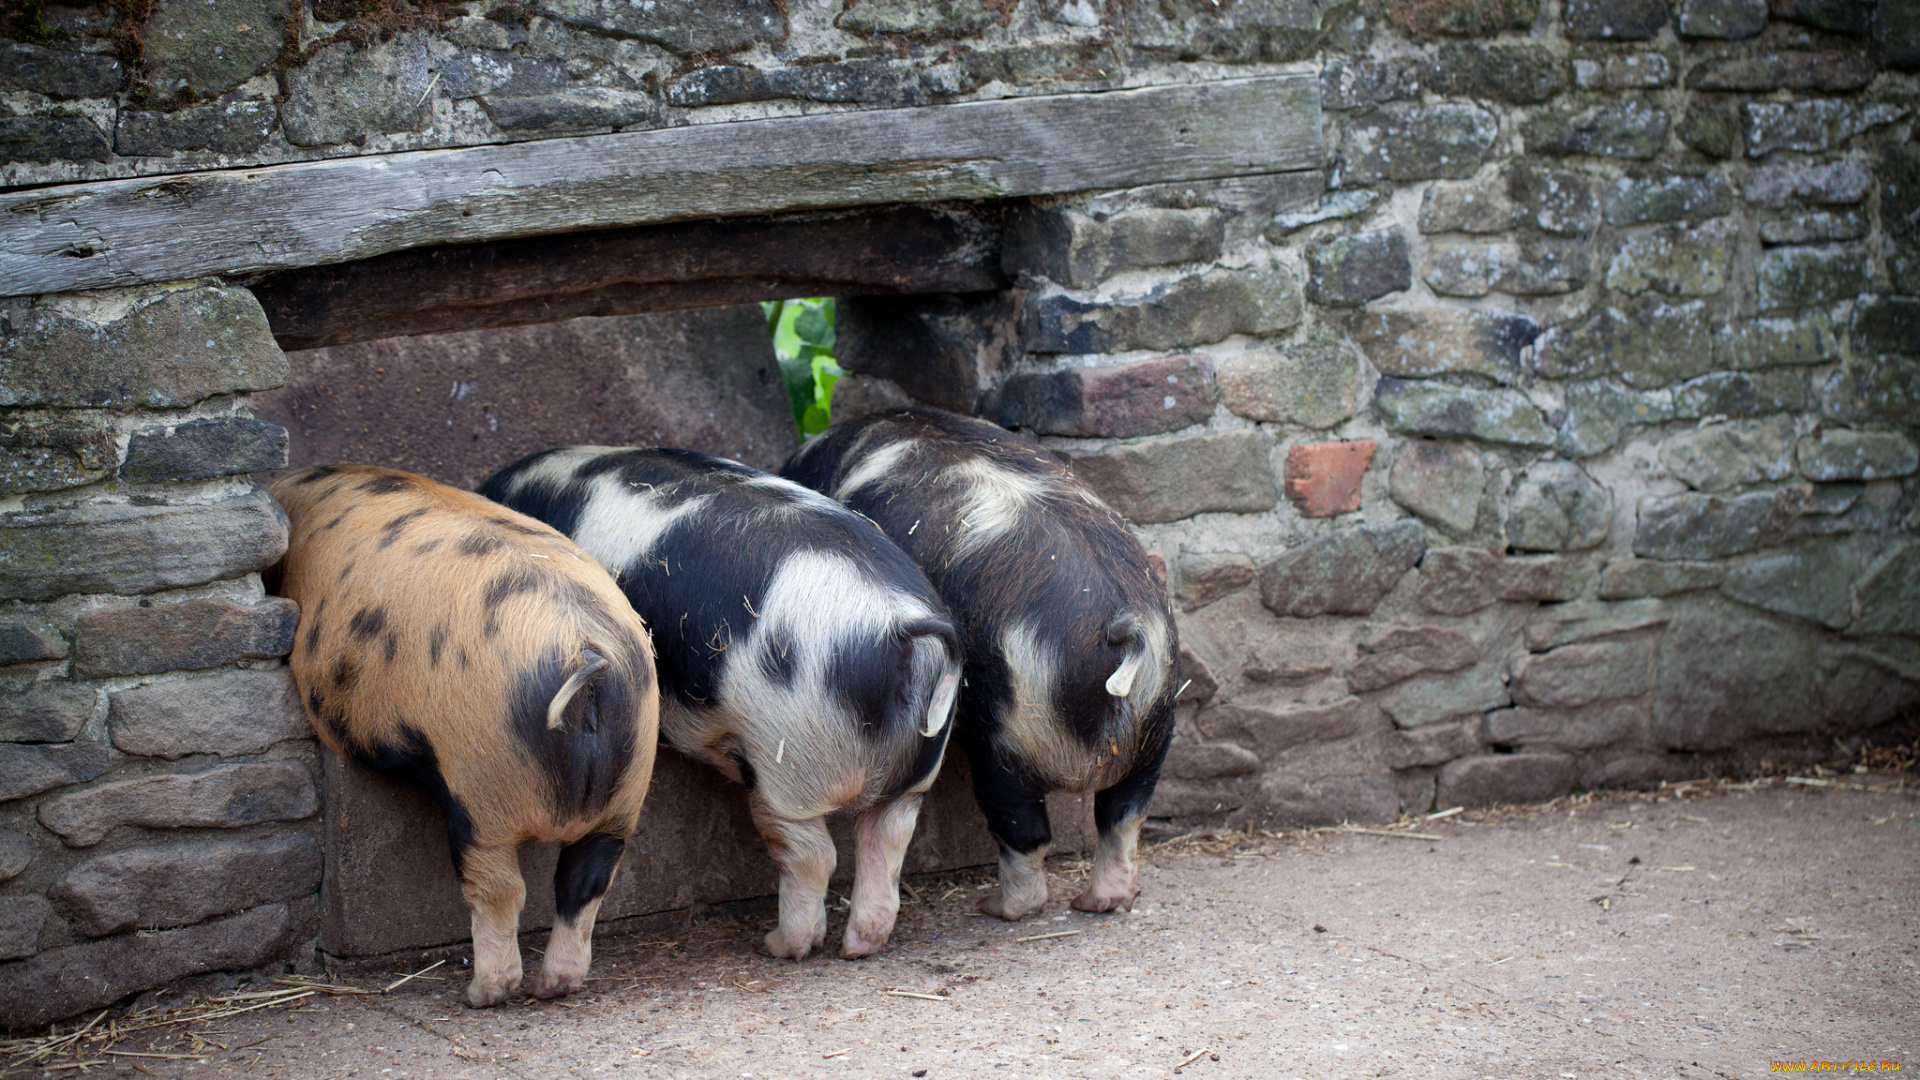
802	654
1072	658
483	659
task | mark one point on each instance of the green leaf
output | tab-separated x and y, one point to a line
803	339
812	326
785	342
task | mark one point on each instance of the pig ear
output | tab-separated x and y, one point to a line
1120	683
557	708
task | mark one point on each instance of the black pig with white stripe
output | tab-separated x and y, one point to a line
800	652
1072	656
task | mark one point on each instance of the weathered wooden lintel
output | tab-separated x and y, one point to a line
125	232
895	249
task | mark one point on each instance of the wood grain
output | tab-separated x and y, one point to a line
125	232
628	271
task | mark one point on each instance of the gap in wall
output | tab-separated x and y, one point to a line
458	406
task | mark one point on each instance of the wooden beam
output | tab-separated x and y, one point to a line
626	271
125	232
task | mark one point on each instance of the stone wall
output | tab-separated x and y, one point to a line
215	83
1556	429
158	780
1561	434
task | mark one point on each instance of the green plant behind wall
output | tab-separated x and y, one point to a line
803	341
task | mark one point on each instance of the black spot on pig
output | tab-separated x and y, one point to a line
409	759
509	584
1012	799
338	518
325	715
316	475
436	641
427	548
385	485
480	544
330	714
345	674
585	869
512	583
312	620
582	759
367	623
391	530
871	683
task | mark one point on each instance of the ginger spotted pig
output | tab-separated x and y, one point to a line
801	654
483	659
1072	657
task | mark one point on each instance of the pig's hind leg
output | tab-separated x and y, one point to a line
881	836
804	852
1115	871
490	880
579	884
1015	807
1118	813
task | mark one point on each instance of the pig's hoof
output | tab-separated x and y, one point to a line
1096	901
777	947
558	984
997	905
488	990
858	944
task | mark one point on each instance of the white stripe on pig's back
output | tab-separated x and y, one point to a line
993	499
620	522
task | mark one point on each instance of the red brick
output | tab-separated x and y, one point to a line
1323	479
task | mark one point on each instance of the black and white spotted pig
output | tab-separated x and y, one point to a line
801	653
1072	656
482	658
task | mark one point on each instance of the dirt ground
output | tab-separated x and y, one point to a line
1697	934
